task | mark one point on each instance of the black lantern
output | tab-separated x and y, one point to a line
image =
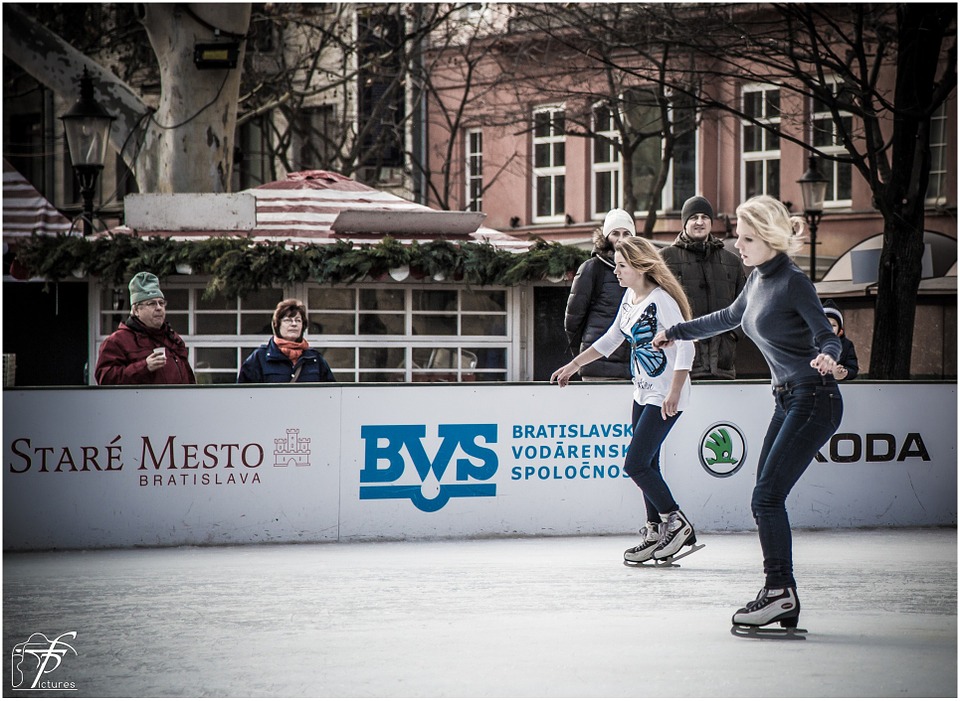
87	126
813	190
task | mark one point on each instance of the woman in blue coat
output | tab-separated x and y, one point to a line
287	357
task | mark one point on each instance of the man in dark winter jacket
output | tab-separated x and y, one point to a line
144	350
595	297
712	277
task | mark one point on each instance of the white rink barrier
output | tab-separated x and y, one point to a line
134	466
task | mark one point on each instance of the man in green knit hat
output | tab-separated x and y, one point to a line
144	350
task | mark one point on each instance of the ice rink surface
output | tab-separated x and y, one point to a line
538	617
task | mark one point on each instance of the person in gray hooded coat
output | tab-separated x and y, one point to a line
594	300
712	277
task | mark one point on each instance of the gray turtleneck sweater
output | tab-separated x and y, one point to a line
780	311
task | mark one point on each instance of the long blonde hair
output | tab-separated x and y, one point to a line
641	255
773	223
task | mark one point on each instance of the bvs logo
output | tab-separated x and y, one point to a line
384	464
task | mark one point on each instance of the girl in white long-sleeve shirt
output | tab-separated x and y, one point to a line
654	300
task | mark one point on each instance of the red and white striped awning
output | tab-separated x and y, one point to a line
321	207
26	211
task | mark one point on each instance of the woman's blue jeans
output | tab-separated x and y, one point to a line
805	415
642	462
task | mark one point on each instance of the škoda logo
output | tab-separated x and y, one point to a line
722	449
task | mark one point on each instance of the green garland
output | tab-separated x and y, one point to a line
237	266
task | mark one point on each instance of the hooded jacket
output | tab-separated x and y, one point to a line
712	278
848	359
594	300
123	356
269	364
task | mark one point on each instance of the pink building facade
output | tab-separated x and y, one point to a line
497	144
534	176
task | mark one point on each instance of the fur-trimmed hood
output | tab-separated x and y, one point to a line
600	242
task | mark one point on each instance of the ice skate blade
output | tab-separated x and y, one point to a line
667	561
650	563
761	633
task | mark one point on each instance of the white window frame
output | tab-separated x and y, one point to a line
550	172
667	198
766	156
597	168
667	191
832	168
454	344
473	176
936	194
449	346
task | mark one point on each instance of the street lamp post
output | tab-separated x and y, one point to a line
87	127
813	190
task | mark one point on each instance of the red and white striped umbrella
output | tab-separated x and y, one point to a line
26	211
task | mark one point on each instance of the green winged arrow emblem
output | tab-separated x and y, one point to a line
721	445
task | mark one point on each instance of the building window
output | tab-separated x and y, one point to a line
381	92
937	186
23	141
316	133
549	164
826	137
252	166
474	171
413	334
642	115
607	191
683	171
761	147
260	37
373	333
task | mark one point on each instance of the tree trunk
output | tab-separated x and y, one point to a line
899	280
191	139
902	200
188	145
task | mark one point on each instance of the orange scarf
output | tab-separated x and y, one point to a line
291	349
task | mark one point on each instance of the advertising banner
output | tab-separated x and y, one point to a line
120	467
108	467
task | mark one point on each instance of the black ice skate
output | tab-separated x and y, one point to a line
650	541
771	606
676	533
